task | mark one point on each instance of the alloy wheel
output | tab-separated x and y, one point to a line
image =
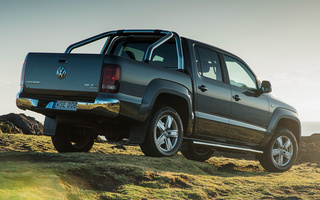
166	133
282	151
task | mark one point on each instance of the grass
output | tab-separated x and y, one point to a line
30	168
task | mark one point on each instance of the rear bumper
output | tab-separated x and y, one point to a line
100	107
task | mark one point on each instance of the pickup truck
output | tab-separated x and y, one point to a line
164	92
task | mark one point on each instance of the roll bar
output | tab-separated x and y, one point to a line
111	34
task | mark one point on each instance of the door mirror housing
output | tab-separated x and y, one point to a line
266	87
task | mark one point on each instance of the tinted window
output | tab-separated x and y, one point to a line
166	55
135	48
239	74
210	64
130	49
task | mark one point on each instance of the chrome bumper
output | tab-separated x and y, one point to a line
101	107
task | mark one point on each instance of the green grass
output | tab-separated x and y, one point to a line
30	168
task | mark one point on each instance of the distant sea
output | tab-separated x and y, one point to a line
309	128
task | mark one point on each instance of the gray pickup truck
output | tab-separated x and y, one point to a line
161	91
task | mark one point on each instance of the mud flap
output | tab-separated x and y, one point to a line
49	127
138	133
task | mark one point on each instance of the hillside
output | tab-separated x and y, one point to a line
30	168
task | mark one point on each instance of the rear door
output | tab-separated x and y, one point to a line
212	94
249	108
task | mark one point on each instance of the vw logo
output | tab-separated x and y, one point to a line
61	73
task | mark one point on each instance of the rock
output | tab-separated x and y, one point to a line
20	123
9	127
309	149
314	138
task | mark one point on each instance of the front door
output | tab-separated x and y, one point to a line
249	108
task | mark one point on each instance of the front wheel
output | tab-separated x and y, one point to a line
281	152
72	139
164	135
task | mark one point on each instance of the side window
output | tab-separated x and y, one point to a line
210	64
239	74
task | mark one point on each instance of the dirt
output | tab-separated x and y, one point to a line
86	180
109	180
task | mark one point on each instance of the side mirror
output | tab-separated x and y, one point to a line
266	87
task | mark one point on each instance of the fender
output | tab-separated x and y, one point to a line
154	90
279	114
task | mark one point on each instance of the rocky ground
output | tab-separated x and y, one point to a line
309	149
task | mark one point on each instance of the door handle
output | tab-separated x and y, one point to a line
236	97
202	88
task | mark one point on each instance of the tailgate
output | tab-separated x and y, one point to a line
55	74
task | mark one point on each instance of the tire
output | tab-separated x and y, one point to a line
196	153
281	152
164	135
72	139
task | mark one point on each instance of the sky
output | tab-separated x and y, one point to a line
278	39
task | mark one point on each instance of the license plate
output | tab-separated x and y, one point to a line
66	105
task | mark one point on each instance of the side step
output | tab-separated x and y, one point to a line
225	146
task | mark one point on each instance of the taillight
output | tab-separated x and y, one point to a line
110	78
23	72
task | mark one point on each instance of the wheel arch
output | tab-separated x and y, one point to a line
163	92
176	102
292	125
286	119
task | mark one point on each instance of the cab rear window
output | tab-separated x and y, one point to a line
135	48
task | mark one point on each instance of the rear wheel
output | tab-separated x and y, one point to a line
197	153
165	133
72	139
281	152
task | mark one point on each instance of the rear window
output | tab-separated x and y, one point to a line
135	48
